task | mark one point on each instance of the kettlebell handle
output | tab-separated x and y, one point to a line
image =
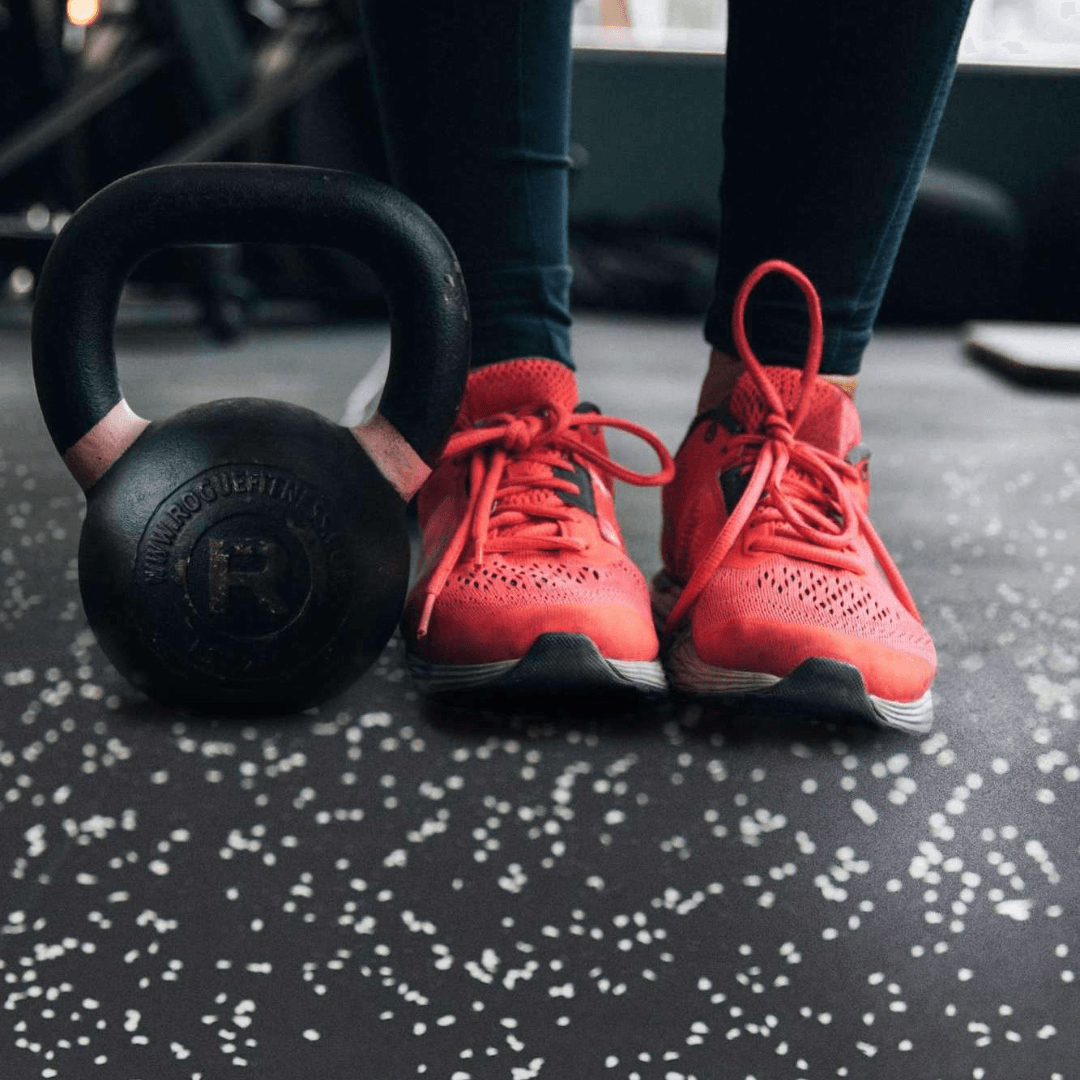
169	205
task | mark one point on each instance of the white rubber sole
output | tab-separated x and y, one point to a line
555	664
818	687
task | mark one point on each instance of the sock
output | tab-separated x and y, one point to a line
848	383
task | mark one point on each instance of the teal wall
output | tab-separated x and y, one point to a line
1015	129
651	125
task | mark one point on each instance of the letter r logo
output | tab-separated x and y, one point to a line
252	564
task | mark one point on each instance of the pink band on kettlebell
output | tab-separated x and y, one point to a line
91	457
402	466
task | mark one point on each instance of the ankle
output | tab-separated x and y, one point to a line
848	383
724	371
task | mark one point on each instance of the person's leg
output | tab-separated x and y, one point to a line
776	589
524	585
831	112
475	105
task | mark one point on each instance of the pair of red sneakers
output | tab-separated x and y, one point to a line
776	591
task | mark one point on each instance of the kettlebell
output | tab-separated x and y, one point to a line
246	554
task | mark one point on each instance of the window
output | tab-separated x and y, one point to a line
1025	33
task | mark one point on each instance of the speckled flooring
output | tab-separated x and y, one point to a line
384	890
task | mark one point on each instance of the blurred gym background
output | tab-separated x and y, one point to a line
93	89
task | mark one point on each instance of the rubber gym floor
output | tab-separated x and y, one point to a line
382	888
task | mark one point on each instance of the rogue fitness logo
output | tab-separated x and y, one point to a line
261	581
236	563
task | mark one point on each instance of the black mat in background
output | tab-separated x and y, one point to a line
383	890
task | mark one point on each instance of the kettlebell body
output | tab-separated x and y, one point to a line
243	552
246	554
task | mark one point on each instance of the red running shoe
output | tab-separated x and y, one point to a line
777	592
525	586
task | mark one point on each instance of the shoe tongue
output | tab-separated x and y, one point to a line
515	385
524	385
831	423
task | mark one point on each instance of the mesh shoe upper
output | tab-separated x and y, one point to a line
519	529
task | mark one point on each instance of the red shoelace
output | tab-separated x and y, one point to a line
797	500
503	514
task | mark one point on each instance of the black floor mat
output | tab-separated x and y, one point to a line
386	888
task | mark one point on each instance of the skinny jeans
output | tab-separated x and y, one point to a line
830	112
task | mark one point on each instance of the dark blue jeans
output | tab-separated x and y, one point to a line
830	113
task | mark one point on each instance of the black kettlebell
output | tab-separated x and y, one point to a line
246	554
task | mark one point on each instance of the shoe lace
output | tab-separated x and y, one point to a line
798	500
503	513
